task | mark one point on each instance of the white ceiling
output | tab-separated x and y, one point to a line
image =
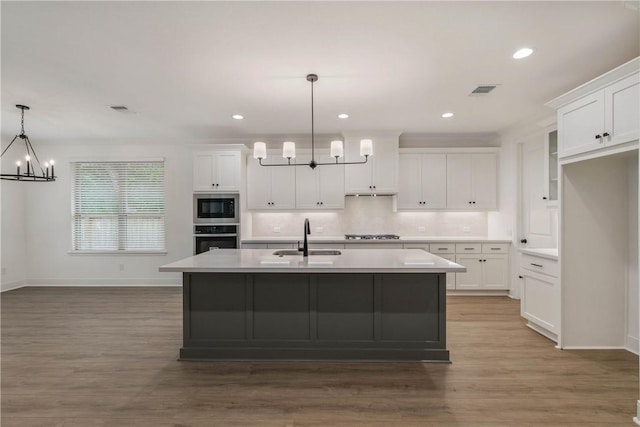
186	67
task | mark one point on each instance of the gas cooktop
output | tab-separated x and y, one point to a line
371	236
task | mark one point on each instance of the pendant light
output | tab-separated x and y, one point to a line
32	170
289	147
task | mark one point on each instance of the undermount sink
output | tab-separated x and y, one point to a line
284	252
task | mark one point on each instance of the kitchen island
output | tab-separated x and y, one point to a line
249	304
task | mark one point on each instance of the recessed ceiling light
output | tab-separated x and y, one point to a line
238	116
447	115
343	116
522	53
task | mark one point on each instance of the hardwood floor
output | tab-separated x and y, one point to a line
107	357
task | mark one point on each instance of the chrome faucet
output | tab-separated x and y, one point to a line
305	246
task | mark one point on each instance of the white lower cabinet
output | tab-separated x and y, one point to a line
540	297
485	271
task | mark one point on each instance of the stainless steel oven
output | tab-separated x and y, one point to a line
210	237
215	208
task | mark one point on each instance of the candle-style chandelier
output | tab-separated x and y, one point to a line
33	171
289	147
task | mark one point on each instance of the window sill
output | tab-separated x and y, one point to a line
117	252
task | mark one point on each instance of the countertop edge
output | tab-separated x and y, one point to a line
540	252
374	241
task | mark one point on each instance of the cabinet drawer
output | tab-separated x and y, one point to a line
540	265
468	248
442	248
495	248
423	246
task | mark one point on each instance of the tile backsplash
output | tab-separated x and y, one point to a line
371	215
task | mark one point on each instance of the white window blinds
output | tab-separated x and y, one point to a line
118	206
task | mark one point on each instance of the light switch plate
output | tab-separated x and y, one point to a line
276	229
422	229
319	230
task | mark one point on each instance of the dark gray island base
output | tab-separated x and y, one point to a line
314	316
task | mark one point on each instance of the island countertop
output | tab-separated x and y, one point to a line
350	261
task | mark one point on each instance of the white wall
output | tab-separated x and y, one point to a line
12	234
48	222
632	290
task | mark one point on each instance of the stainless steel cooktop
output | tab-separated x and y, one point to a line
371	236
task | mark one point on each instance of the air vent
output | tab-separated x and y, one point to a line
483	89
120	108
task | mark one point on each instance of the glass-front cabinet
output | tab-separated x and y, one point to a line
551	165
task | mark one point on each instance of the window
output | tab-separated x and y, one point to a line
118	206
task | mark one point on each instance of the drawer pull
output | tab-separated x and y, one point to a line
469	249
537	265
495	249
442	249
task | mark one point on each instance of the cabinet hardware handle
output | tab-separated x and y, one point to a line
469	202
520	277
544	197
442	249
536	265
598	137
322	203
606	134
495	249
370	187
523	241
468	249
473	203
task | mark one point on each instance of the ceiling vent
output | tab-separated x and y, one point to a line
483	89
121	109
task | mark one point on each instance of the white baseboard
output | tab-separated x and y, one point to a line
513	297
542	331
485	293
593	347
636	419
105	282
11	285
633	344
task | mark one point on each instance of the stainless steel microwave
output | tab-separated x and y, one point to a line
216	208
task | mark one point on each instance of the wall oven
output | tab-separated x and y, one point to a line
210	237
215	208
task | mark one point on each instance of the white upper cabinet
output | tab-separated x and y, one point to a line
322	187
422	181
270	188
602	113
380	174
216	171
472	181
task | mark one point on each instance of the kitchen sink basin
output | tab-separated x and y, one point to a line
284	252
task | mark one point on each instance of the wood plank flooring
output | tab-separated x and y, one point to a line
107	357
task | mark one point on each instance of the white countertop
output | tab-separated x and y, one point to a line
550	253
350	261
342	240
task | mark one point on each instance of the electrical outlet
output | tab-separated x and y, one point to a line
4	270
276	229
422	229
319	230
465	229
121	267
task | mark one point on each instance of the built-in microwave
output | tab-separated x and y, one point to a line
215	208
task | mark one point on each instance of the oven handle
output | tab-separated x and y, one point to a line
216	235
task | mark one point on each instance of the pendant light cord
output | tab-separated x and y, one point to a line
312	127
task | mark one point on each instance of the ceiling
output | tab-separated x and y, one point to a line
184	68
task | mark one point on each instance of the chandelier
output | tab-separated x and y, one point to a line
32	171
289	147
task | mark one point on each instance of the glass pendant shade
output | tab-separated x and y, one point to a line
337	149
366	147
289	150
259	150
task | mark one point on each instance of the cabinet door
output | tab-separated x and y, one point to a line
331	185
579	123
472	278
550	177
495	272
484	181
459	181
227	171
203	171
409	181
307	184
433	179
539	302
622	108
357	178
258	185
385	167
283	187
